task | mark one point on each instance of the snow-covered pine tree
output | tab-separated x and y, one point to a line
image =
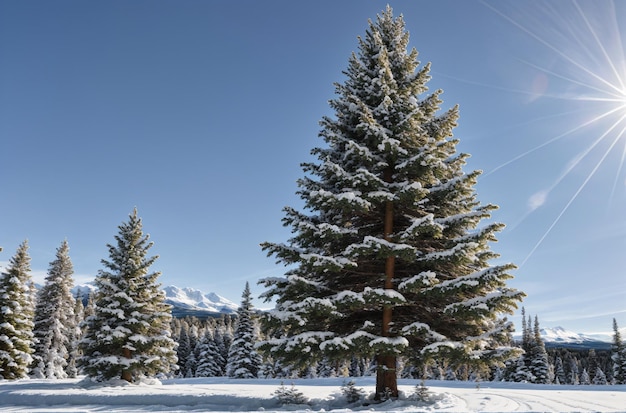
559	371
584	377
599	378
54	322
222	339
16	317
618	355
75	337
592	363
539	365
129	334
243	360
210	360
184	350
388	256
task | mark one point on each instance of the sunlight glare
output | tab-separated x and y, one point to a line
589	67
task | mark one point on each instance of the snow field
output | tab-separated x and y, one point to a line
221	394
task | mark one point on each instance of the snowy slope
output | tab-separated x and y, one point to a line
247	395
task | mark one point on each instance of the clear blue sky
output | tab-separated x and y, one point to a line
199	113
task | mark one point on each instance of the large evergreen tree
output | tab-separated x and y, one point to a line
128	336
243	360
16	316
55	323
388	256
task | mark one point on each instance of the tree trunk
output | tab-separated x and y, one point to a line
126	374
386	377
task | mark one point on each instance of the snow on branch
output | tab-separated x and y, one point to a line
371	243
319	260
459	248
424	330
471	280
352	197
421	280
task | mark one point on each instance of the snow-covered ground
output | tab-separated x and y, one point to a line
230	395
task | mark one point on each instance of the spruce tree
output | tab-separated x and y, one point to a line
388	256
599	378
243	360
55	322
16	317
559	371
618	355
539	365
210	360
128	336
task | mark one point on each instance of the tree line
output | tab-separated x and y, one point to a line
51	334
124	331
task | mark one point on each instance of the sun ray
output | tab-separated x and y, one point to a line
602	48
554	139
619	96
555	49
573	198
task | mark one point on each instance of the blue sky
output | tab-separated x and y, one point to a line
199	113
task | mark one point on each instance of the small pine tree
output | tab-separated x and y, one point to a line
573	372
55	322
16	317
129	334
75	336
421	392
599	377
584	378
618	355
210	361
559	371
184	350
352	393
290	395
539	365
243	360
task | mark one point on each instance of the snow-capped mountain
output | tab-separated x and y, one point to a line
560	337
184	301
189	301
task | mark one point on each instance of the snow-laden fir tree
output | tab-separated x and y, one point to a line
618	355
55	326
559	371
183	350
599	378
244	361
74	339
388	256
128	336
539	365
210	360
16	316
584	378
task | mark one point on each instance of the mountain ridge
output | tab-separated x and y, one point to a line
185	301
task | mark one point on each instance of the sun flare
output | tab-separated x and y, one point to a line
584	62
